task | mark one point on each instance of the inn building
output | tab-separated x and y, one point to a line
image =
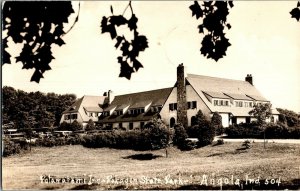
232	99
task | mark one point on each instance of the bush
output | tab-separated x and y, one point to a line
216	122
76	126
154	136
220	142
244	130
74	140
180	135
206	135
64	126
274	131
188	145
90	126
246	144
10	147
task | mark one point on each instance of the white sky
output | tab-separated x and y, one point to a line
265	43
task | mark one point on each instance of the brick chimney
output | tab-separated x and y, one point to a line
249	79
181	97
111	96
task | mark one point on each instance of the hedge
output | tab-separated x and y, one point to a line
272	131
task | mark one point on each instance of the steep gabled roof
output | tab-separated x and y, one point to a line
89	103
74	107
137	100
216	87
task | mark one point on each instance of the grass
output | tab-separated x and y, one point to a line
121	169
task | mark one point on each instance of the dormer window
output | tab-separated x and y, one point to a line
106	113
221	103
120	112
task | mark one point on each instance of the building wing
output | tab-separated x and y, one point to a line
226	95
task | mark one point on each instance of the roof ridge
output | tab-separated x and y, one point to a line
145	91
212	77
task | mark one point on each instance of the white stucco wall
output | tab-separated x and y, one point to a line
225	119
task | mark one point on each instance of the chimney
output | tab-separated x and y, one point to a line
249	79
181	96
111	96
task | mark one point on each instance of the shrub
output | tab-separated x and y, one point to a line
188	145
74	140
216	122
76	126
10	147
64	126
276	131
220	142
244	130
294	132
246	144
90	125
180	135
206	135
155	136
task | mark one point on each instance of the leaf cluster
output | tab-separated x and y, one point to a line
36	25
261	111
296	12
214	21
130	48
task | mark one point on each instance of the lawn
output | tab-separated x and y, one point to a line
76	167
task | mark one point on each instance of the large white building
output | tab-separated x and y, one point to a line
232	99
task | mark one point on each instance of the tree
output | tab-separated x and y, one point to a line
214	14
202	130
36	25
289	117
90	126
261	112
42	25
180	135
216	123
158	134
35	108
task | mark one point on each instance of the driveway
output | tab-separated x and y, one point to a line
296	141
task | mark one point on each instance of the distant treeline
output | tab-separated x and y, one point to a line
34	109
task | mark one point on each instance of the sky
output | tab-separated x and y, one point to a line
265	43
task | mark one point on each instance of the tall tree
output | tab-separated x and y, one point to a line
261	112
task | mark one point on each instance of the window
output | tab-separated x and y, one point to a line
239	104
220	102
246	104
250	104
67	117
172	106
226	103
120	112
192	105
189	105
120	125
215	102
106	113
90	114
130	126
74	116
142	124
